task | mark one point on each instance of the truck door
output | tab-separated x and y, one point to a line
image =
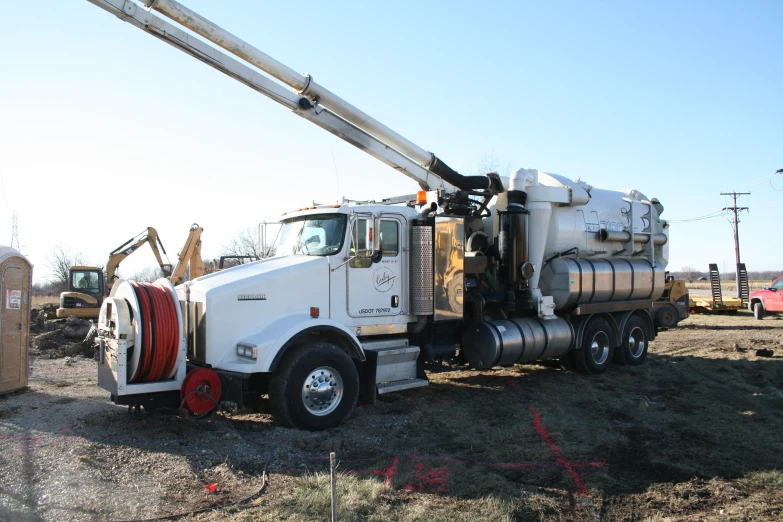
376	289
773	300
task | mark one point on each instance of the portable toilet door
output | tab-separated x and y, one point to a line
15	282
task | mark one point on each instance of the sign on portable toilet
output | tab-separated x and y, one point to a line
15	282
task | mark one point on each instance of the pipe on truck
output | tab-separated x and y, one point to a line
306	86
624	237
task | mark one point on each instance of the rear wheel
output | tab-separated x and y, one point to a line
758	310
634	342
315	387
667	316
595	352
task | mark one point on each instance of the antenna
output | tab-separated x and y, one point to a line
15	231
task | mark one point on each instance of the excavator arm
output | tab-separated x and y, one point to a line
121	252
189	256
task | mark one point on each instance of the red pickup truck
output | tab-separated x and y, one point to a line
767	301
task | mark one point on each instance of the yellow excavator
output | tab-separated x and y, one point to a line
87	286
189	257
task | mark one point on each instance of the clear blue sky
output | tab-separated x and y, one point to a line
104	130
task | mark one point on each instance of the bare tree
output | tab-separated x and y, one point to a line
245	243
148	274
491	163
59	261
689	273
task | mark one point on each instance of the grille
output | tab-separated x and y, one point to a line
422	282
194	313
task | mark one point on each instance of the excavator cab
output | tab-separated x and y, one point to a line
86	288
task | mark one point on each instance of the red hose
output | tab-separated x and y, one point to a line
158	320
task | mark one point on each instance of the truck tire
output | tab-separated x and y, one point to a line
595	353
667	317
634	342
758	310
314	366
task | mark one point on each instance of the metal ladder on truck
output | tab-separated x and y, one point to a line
744	287
717	294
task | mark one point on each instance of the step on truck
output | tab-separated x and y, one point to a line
354	300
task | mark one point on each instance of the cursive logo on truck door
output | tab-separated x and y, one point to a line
383	279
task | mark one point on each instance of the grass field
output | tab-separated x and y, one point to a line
40	300
727	286
693	434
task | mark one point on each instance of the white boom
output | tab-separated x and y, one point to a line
310	100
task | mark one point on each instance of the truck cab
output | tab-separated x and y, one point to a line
335	281
86	289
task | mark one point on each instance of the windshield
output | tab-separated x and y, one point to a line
319	235
85	280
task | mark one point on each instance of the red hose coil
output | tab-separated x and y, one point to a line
159	327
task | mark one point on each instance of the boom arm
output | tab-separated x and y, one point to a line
310	100
189	256
121	252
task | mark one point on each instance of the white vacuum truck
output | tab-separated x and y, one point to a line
356	299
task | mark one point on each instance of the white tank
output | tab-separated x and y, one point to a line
573	218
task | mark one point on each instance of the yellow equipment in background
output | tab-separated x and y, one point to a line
673	306
87	286
716	303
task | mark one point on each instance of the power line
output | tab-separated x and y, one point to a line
712	215
779	171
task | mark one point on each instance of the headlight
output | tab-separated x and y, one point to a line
247	350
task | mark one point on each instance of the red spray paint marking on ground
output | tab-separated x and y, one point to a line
581	489
388	473
430	480
64	429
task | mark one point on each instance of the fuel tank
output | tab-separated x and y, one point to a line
504	342
572	281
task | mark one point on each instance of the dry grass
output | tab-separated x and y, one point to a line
693	434
727	286
40	300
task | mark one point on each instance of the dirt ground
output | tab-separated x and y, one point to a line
696	433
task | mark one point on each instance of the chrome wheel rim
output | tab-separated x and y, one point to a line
322	391
599	348
636	342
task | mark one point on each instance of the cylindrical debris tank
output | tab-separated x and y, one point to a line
572	281
15	283
505	342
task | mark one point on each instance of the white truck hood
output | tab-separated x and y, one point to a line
244	300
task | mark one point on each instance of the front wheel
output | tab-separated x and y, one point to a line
758	311
667	316
315	387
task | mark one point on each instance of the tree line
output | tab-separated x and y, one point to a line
61	258
690	274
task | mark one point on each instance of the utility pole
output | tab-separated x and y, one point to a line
736	211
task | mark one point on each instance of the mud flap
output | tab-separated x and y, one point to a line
367	371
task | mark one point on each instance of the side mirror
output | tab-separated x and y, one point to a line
375	235
366	238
